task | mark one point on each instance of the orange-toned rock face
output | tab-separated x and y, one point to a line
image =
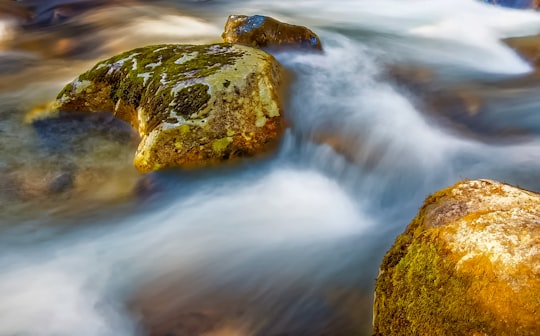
263	31
468	264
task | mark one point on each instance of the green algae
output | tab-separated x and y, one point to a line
164	58
134	77
425	296
221	145
65	91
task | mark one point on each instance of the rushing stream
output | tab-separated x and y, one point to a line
287	245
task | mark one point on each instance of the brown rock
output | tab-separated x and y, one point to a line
192	105
468	264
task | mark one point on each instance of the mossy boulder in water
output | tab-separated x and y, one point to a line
468	264
192	105
263	31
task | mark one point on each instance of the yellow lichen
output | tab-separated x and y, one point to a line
220	145
466	265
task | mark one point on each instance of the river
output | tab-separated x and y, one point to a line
407	98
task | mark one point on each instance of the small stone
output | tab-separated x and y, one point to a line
263	31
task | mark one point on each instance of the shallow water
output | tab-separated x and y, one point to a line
287	245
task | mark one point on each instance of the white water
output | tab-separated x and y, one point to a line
278	238
464	33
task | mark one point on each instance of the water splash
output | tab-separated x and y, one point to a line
75	286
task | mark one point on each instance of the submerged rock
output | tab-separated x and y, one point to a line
468	264
192	105
264	31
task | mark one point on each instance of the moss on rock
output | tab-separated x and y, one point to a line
468	264
184	99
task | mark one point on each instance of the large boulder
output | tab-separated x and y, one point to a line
468	264
192	105
266	32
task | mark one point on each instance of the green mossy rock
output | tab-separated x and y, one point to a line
468	264
192	105
263	31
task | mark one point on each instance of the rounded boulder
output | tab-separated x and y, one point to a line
468	264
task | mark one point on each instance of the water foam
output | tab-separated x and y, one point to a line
341	92
461	32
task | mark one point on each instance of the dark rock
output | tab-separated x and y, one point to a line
266	32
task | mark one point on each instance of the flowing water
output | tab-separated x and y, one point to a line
407	98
